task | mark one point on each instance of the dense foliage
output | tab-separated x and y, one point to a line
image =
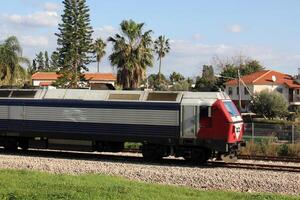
245	67
132	53
75	45
11	59
207	82
99	51
269	104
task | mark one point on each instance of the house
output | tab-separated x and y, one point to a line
45	79
270	80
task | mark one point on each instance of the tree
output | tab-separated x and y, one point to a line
269	104
176	77
208	81
47	62
181	86
161	47
74	43
54	61
34	66
230	67
99	50
132	53
250	67
157	85
40	61
10	61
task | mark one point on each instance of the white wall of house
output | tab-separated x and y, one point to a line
109	82
283	89
37	82
234	94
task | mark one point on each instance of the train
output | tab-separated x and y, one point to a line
194	125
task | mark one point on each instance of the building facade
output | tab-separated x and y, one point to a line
269	80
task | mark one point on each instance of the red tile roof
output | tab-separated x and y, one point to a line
44	76
265	78
100	77
88	76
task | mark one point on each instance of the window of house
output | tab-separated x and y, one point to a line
279	90
237	90
298	91
230	90
246	91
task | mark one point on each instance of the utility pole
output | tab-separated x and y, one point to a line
240	93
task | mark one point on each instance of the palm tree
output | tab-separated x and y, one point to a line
132	53
11	59
161	47
99	50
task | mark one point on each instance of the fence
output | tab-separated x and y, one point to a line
275	132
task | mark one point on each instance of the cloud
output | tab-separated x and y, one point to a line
34	41
48	6
105	31
37	19
197	36
188	56
235	28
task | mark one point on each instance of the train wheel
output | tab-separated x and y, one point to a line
11	145
23	144
199	156
151	152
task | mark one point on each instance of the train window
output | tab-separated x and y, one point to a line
205	117
231	108
23	94
162	96
124	97
4	93
205	111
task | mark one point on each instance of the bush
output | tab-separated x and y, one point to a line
269	148
270	104
283	150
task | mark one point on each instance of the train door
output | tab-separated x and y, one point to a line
189	121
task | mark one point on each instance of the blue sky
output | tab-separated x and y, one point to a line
266	30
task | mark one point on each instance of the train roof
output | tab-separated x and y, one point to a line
114	95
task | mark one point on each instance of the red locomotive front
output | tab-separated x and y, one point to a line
222	127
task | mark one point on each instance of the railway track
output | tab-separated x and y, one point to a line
270	158
255	166
139	160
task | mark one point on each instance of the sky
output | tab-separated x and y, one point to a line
265	30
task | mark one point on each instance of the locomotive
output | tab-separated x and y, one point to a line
194	125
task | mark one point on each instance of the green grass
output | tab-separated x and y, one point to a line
21	184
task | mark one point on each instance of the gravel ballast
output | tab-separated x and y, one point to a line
242	180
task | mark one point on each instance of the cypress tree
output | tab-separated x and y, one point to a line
34	67
74	43
40	61
54	62
47	62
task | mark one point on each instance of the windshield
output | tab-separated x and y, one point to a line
231	108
